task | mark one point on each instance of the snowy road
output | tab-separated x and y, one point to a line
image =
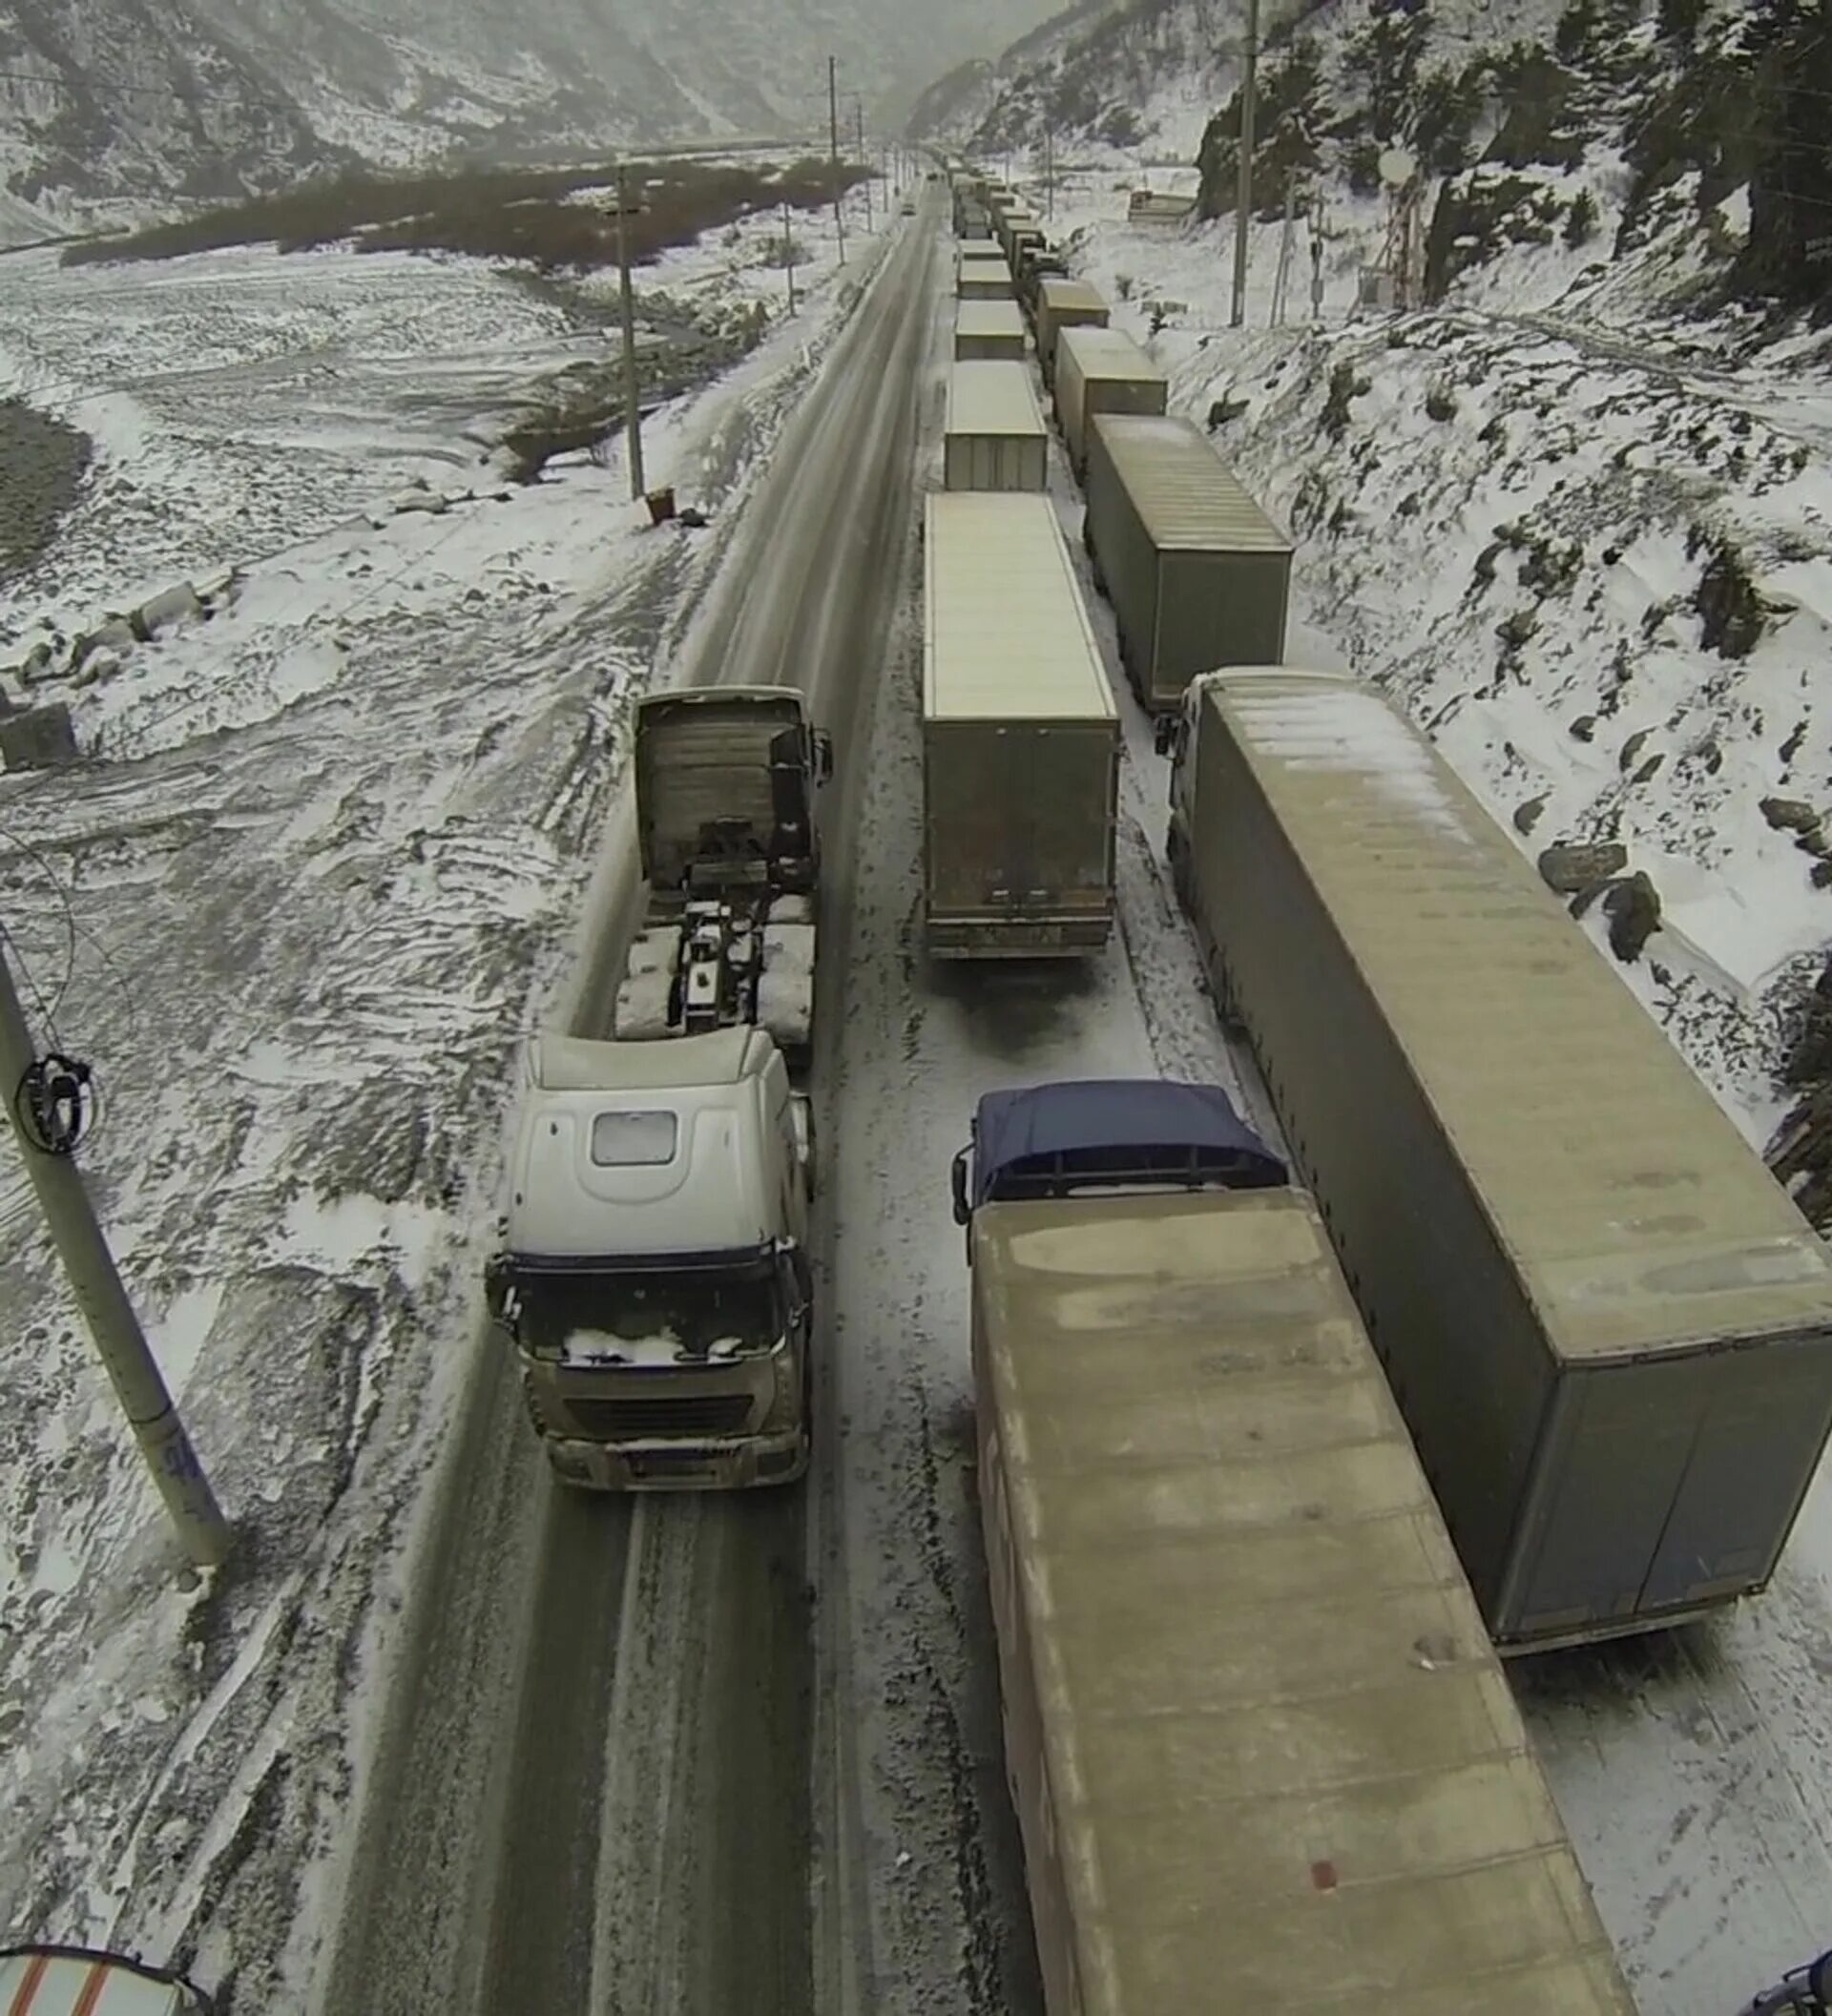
597	1796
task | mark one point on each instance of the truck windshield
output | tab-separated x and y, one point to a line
699	1316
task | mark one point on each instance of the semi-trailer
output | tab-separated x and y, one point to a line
1607	1326
988	332
996	439
1101	371
1198	576
1065	304
1262	1753
984	279
1020	738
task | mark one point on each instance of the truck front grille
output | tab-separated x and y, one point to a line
695	1413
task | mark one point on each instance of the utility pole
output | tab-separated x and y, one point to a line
95	1282
788	257
1049	173
631	395
1317	257
833	130
859	127
1244	195
1285	236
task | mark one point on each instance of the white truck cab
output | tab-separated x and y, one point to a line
655	1274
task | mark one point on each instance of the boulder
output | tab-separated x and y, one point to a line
170	607
1571	869
1790	815
40	738
417	501
1632	908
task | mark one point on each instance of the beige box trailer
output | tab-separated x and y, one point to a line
1198	576
1262	1753
996	439
989	331
1017	220
984	279
1101	371
1062	304
1020	738
1607	1326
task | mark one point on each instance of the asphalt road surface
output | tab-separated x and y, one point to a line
593	1788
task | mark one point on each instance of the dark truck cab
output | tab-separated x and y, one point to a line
1108	1134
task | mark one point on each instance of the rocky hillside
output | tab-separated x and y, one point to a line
133	102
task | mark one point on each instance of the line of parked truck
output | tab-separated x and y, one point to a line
1538	1353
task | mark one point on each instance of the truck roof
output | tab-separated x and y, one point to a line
1057	293
1079	1124
676	696
989	318
1187	496
1008	636
1280	1750
1639	1215
987	396
642	1149
583	1064
1100	352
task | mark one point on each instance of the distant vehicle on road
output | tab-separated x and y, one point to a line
79	1981
908	207
725	780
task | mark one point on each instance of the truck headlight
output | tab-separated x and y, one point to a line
786	1388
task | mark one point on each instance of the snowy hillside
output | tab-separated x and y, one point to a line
132	101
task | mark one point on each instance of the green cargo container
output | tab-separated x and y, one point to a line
1198	574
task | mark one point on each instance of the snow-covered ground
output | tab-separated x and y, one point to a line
313	873
1511	531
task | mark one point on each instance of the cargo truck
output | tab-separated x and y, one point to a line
653	1274
1020	740
1101	371
725	780
984	279
989	332
81	1981
1608	1328
996	439
1064	304
1198	576
1262	1754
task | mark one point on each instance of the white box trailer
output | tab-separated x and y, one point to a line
989	331
1062	304
1607	1326
1020	738
996	439
1101	371
984	279
1262	1754
1198	576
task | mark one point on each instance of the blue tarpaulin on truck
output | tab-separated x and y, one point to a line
1047	1139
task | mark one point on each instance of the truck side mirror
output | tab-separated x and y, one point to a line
963	1211
822	757
1164	734
496	1286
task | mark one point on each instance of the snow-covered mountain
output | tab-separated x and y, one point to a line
140	100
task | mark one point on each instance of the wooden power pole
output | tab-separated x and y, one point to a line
631	387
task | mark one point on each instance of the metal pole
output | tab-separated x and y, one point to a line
788	257
1244	195
858	127
1049	173
632	394
833	130
96	1285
